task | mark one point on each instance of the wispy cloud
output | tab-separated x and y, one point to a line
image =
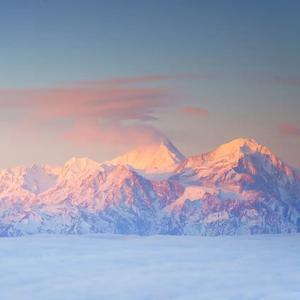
114	133
287	81
142	79
289	129
111	111
133	103
195	111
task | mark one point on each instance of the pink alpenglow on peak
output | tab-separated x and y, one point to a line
159	156
77	166
240	146
239	188
226	161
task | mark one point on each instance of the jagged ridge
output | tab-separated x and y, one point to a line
239	188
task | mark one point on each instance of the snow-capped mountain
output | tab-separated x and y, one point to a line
241	187
159	157
35	179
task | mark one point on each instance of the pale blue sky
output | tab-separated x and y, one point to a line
245	55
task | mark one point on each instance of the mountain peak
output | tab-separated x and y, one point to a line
240	146
227	156
158	157
77	165
82	162
243	141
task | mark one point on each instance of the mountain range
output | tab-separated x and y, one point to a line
239	188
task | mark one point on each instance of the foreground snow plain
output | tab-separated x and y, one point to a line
90	267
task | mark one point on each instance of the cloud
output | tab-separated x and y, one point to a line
195	111
110	111
287	81
147	79
115	133
289	129
132	103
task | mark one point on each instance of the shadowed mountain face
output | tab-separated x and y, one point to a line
239	188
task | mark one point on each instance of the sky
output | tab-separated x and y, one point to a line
96	78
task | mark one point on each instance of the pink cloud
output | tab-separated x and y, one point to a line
195	111
116	134
146	79
289	129
288	81
117	102
93	112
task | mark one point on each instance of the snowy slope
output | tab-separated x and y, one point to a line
239	188
158	157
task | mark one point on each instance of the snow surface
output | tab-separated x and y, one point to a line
239	188
156	158
157	267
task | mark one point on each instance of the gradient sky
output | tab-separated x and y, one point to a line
93	78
